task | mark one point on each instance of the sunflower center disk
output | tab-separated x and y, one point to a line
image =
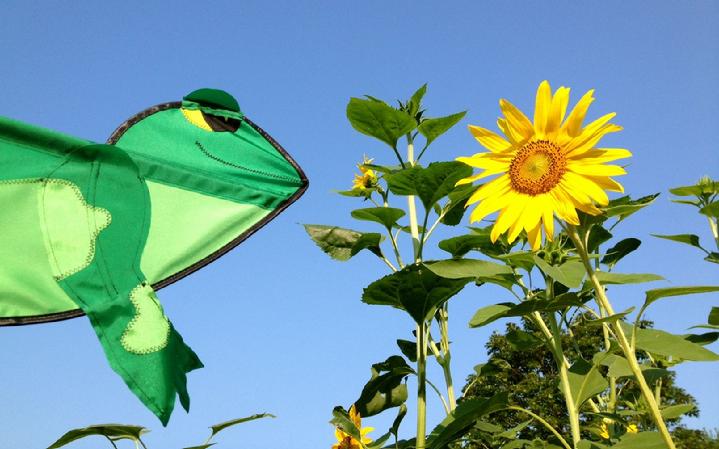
537	167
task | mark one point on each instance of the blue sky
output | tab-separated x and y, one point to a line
279	326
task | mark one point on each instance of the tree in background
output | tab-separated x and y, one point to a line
530	379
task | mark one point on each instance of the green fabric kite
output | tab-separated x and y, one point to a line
96	229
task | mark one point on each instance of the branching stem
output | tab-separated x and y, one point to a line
627	348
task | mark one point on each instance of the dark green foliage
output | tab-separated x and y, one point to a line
530	379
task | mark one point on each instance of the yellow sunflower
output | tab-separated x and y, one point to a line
367	179
546	167
345	441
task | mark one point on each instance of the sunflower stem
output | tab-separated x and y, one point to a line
627	348
421	385
563	365
412	207
446	356
543	422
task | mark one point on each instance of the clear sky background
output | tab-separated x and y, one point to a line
279	326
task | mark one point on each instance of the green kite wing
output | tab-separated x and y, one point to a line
94	229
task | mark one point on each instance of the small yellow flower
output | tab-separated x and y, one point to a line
345	441
632	428
367	179
548	166
604	431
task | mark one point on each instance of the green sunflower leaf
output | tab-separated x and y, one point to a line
463	418
669	345
714	316
432	128
626	278
217	428
342	244
415	102
379	120
618	251
489	314
675	411
625	206
461	245
585	381
430	184
415	289
467	268
641	440
385	388
114	432
689	239
386	216
342	420
710	210
570	273
659	293
456	207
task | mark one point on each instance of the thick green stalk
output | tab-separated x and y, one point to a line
412	207
421	385
612	380
446	356
554	336
713	225
627	348
421	328
563	366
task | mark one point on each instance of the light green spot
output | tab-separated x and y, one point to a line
71	226
149	329
47	232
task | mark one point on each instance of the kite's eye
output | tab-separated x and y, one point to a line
209	122
218	123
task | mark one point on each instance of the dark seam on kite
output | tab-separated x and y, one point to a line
114	137
251	170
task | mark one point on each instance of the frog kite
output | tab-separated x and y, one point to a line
91	229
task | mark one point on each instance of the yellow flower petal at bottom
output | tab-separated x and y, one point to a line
534	236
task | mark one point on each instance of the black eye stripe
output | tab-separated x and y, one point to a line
221	124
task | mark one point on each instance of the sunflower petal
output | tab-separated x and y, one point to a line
534	236
510	132
532	212
600	156
581	144
541	108
606	183
578	183
564	206
509	215
573	125
548	217
557	109
517	120
484	160
489	140
486	207
597	170
495	187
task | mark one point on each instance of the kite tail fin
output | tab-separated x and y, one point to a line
104	276
144	348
